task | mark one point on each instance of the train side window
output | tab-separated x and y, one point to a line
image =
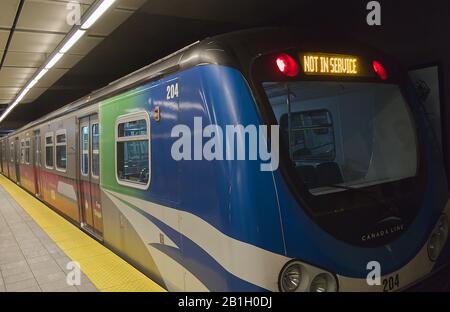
133	150
95	150
49	146
27	151
85	150
22	151
61	150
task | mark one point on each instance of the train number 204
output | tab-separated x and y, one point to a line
390	283
172	91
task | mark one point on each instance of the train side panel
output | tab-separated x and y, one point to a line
58	175
127	231
191	224
26	168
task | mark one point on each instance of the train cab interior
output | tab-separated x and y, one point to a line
337	132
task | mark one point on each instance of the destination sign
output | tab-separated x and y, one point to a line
330	64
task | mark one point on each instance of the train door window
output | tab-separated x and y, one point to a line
133	150
49	146
11	152
95	150
61	150
27	151
85	150
22	152
37	144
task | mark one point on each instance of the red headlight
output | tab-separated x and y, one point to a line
287	65
380	70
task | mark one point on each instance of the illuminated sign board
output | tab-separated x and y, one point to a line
330	64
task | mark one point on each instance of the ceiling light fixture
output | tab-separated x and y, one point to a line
69	41
99	11
75	37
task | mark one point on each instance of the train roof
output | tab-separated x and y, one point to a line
233	49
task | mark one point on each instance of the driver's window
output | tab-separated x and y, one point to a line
310	135
133	150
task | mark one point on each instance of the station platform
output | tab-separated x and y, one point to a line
36	244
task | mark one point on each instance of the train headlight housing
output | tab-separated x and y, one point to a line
291	277
323	282
438	238
297	276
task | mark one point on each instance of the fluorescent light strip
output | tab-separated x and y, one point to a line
54	60
17	101
22	94
41	74
31	84
99	11
102	8
75	37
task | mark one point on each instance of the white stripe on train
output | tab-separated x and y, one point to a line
239	258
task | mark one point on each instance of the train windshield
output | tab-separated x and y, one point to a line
345	135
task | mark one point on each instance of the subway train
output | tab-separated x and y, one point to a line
357	201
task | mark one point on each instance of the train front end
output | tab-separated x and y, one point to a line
361	184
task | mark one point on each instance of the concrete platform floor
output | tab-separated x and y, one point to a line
29	259
36	244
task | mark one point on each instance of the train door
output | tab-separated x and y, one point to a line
1	157
17	150
37	162
89	160
12	161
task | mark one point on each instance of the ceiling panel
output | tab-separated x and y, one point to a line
24	59
33	94
8	92
69	61
51	77
107	23
48	16
1	54
80	1
15	76
85	45
23	41
3	38
40	29
130	4
8	9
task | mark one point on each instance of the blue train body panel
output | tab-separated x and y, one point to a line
249	209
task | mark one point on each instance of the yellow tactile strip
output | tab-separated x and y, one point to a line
106	270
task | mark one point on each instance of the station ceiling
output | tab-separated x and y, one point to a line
135	33
40	27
